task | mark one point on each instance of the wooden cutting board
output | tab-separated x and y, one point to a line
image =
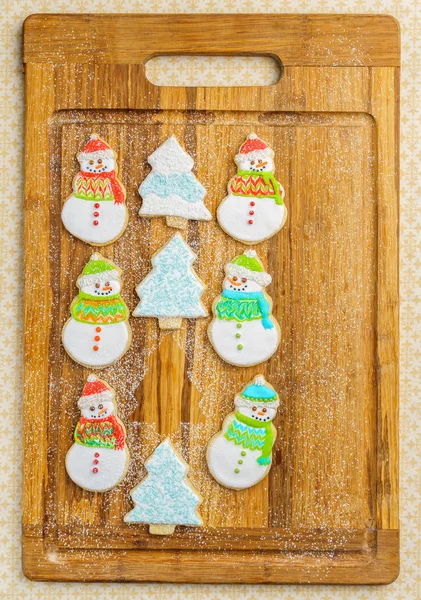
328	511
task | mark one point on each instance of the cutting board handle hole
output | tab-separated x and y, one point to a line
210	71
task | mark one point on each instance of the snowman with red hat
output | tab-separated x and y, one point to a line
254	209
96	212
99	458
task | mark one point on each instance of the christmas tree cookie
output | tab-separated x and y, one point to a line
99	458
240	455
98	332
96	212
171	291
171	189
243	331
254	209
165	497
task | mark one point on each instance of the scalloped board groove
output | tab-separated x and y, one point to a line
330	498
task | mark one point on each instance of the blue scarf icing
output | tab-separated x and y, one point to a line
264	305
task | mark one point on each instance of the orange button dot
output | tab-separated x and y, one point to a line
98	329
251	222
97	338
95	348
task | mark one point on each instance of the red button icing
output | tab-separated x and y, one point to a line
251	222
94	470
98	329
252	203
251	212
96	454
95	348
96	205
97	338
95	222
96	462
96	214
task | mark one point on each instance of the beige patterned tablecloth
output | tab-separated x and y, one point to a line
12	13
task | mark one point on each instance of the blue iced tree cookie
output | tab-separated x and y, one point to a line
171	190
165	497
172	290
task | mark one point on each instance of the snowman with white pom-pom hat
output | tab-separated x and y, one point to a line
243	331
240	455
96	211
254	209
99	458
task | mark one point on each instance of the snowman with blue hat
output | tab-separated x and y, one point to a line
240	455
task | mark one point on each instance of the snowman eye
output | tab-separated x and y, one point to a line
91	162
107	283
254	408
100	161
264	409
252	162
244	279
92	408
234	278
100	406
97	285
259	161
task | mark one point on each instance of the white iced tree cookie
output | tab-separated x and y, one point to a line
243	331
98	332
99	457
165	497
240	455
96	212
172	290
171	190
254	209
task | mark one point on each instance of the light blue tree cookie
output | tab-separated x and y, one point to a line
165	497
172	290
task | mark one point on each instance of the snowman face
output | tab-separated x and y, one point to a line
97	165
241	284
262	414
102	289
259	165
98	410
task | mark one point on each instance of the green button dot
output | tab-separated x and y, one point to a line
238	335
240	346
243	453
236	470
239	326
240	462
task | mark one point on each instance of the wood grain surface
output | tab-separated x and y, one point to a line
328	511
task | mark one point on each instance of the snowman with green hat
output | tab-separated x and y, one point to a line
240	455
243	331
98	332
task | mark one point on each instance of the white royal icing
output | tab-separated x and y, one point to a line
232	463
244	341
171	189
252	218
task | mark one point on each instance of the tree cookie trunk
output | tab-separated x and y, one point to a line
177	222
161	529
169	322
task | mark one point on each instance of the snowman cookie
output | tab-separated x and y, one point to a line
254	209
172	290
99	457
171	189
165	498
96	212
240	455
98	332
243	331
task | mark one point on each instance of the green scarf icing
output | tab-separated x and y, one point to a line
246	432
230	309
268	177
88	309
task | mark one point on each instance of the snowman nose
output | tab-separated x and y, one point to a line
98	166
106	287
262	164
101	412
260	414
233	282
